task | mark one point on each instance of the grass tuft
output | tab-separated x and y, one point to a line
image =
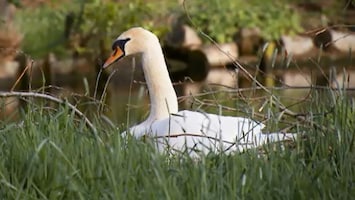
50	155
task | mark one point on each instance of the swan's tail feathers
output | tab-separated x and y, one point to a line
265	138
274	137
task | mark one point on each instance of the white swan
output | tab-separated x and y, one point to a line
184	130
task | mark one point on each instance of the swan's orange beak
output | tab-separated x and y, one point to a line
115	56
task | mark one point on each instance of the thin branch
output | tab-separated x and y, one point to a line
209	137
21	75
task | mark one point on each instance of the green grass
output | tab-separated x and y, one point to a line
51	154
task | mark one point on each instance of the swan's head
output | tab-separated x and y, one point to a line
133	41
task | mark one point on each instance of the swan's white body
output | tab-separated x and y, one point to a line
184	130
202	132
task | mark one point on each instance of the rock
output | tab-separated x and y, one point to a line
343	41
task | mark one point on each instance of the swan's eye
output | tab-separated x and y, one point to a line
120	44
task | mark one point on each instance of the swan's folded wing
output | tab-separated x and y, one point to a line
207	131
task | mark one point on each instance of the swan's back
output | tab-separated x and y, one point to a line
188	130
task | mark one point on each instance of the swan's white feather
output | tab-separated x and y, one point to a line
188	130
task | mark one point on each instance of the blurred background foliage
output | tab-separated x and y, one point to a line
221	19
42	28
80	27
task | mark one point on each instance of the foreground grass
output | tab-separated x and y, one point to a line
52	155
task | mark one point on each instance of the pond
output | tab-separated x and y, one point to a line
126	100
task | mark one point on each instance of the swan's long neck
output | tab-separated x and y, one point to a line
161	91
